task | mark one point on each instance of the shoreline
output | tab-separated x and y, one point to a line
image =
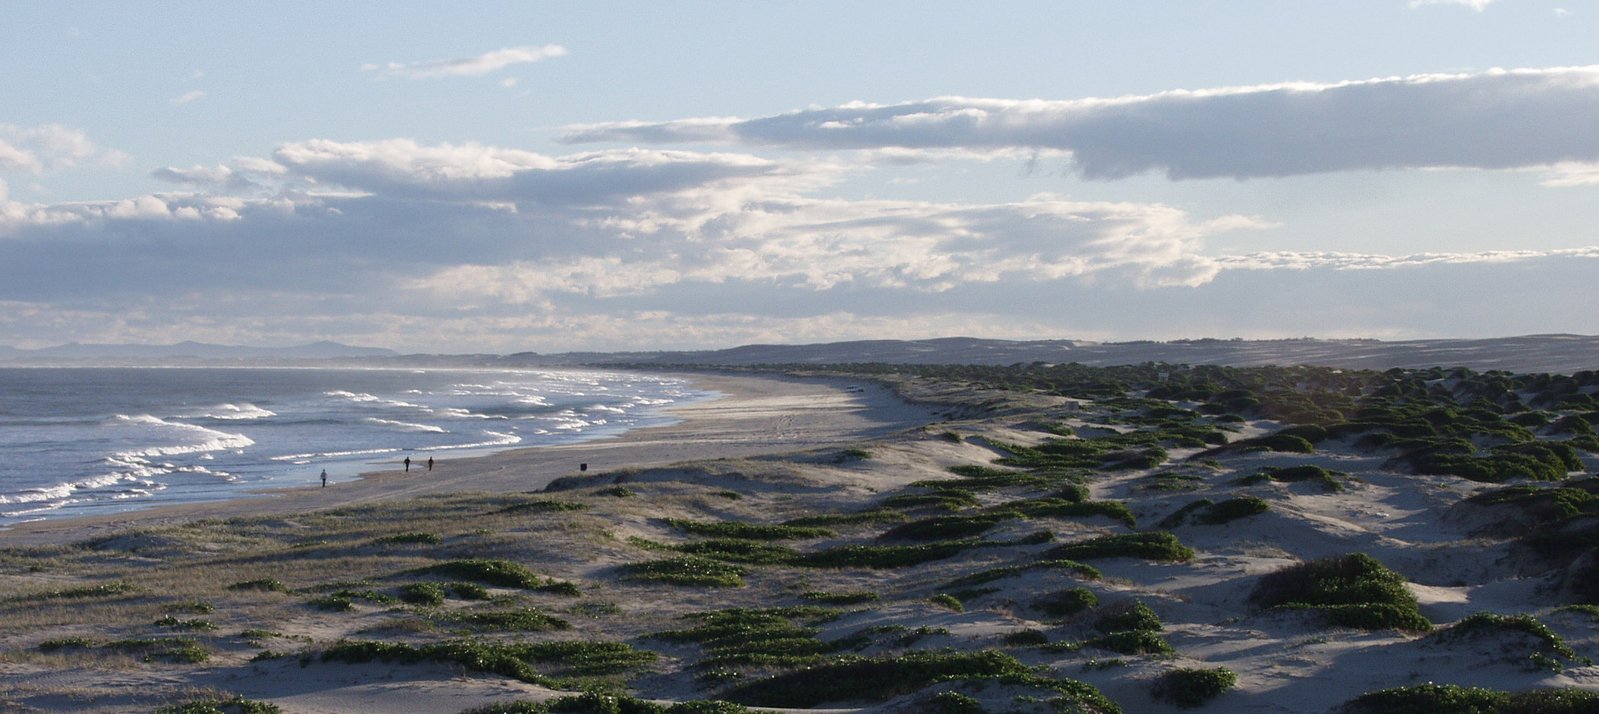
753	415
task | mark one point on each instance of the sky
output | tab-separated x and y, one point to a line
539	176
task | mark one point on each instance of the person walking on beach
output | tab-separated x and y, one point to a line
430	463
408	464
324	478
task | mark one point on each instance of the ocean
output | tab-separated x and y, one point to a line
82	441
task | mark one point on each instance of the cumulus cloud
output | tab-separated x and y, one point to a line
49	147
1498	119
486	63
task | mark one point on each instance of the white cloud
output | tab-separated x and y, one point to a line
1324	260
1498	119
50	147
1477	5
187	97
486	63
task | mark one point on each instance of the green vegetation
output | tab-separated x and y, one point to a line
748	531
105	590
409	538
947	601
880	678
600	703
1547	647
1300	474
261	584
500	573
1231	510
1456	699
233	705
757	637
690	570
526	619
844	598
1152	545
154	649
1065	603
879	515
515	660
1352	590
1189	688
947	527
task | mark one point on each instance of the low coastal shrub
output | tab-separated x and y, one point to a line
544	505
732	550
947	601
748	531
1457	699
423	594
526	619
878	678
1065	603
233	705
949	499
877	515
1352	590
690	570
1231	510
515	659
1547	646
756	637
261	584
1328	480
1087	572
601	703
947	527
1193	687
194	625
1129	617
160	649
500	573
1064	508
1152	545
80	593
409	538
883	556
844	598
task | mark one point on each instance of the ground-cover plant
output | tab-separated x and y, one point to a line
1328	480
414	537
1065	603
1069	503
1152	545
732	550
1134	616
1547	646
948	602
261	584
826	520
759	637
748	531
104	590
1231	510
949	499
948	527
193	625
515	659
884	556
501	573
150	649
853	597
1087	572
232	705
876	679
1457	699
601	703
525	619
690	570
1352	590
423	593
544	506
1193	687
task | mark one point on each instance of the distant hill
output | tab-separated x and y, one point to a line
1532	353
188	352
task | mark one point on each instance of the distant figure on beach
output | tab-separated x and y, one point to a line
430	463
408	464
324	478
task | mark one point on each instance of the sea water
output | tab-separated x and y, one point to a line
80	441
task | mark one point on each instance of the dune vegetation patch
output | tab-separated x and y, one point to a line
1352	590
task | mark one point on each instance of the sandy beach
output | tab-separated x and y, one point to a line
753	415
